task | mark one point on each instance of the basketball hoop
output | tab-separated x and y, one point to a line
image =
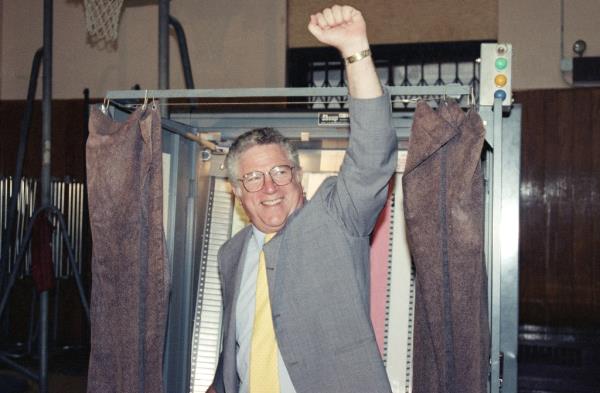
102	19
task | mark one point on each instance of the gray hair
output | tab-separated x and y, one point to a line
255	137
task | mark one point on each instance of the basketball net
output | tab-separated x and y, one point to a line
102	19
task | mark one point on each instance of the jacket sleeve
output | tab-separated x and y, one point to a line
360	189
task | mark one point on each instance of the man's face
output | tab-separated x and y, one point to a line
268	208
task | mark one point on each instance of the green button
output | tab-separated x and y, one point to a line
501	63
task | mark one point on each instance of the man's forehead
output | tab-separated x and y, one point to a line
263	158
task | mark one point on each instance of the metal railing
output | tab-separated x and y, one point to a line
68	197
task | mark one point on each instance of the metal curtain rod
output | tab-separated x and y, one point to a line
184	130
451	90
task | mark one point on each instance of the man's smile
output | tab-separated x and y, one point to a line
272	202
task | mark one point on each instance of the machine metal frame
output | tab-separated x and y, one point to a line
188	190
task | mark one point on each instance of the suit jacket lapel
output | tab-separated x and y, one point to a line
240	265
233	260
232	266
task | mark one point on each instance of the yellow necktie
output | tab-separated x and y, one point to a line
264	375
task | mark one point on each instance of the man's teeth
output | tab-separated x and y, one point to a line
272	202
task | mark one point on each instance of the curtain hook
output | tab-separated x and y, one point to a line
145	100
104	106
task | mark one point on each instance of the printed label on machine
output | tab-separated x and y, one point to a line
334	119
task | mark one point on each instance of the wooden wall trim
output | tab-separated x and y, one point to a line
407	21
560	208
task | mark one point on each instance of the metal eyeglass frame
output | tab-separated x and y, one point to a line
263	175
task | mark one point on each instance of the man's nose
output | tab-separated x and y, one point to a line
269	186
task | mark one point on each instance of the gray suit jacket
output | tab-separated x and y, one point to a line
318	270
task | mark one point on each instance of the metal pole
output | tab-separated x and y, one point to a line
183	52
496	356
163	49
47	103
23	370
16	184
45	178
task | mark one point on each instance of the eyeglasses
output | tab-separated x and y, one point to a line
255	181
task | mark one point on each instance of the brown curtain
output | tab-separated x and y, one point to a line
129	271
443	206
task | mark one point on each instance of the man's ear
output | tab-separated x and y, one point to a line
237	189
298	173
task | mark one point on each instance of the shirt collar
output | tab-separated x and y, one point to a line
258	236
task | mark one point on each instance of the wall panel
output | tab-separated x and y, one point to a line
68	138
406	21
560	208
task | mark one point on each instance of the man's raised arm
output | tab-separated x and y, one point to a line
344	28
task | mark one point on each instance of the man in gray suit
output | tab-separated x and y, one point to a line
317	265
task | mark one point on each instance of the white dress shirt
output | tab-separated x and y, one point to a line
245	318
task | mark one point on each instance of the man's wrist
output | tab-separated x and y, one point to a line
358	56
350	48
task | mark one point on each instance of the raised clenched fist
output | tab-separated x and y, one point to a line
342	27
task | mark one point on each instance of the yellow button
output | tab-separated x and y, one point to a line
500	80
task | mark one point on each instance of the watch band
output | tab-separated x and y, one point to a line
358	56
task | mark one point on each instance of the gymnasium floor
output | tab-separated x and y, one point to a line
550	361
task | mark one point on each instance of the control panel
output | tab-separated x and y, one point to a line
495	76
